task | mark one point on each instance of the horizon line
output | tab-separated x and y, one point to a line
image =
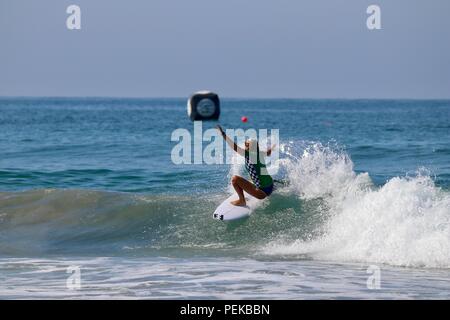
221	97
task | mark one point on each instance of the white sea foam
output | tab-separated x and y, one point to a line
405	222
209	278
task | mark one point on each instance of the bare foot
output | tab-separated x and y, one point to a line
238	203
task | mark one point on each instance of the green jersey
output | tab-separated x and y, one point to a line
256	167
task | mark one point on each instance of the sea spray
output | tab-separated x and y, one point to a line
405	222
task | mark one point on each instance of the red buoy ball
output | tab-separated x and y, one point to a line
244	119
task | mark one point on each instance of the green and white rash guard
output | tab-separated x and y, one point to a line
256	167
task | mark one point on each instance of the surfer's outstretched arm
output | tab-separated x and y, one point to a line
230	142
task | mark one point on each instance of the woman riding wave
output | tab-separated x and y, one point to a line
262	185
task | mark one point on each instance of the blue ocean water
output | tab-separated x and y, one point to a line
92	178
124	144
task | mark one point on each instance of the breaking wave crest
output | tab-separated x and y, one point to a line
404	222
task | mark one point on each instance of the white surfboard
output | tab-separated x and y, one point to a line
228	212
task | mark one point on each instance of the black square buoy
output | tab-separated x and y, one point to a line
204	105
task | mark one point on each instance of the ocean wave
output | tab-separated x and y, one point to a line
405	222
54	221
325	211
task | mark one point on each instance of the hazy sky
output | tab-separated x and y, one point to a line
238	48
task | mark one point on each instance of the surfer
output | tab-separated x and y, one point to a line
262	185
